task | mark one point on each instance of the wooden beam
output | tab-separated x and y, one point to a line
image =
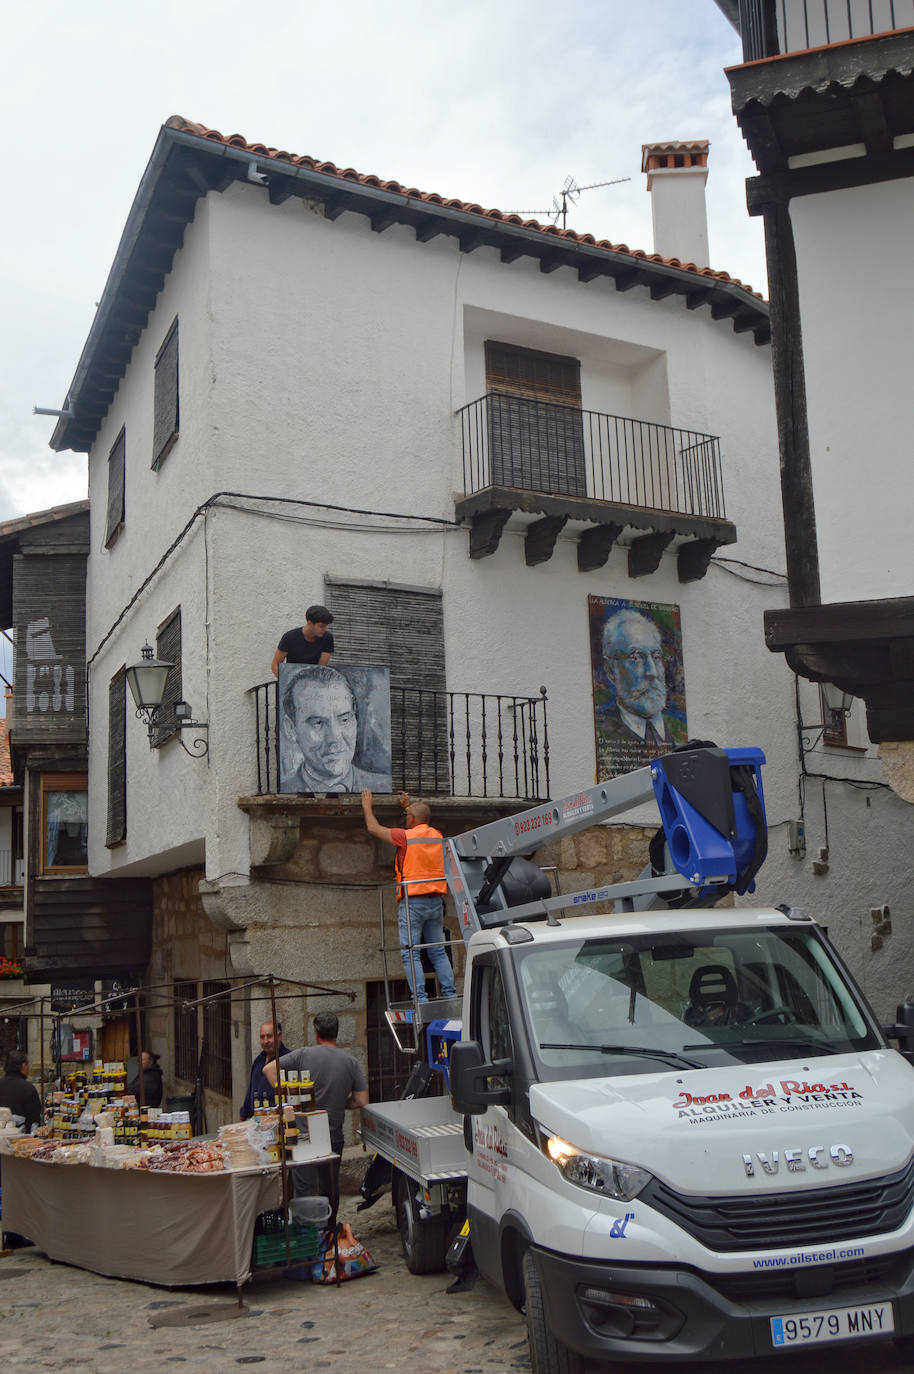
430	229
790	409
634	276
512	251
550	261
871	120
762	334
539	542
383	218
645	553
595	546
696	299
828	176
280	189
471	239
661	289
724	309
744	321
196	175
694	558
590	269
485	531
334	206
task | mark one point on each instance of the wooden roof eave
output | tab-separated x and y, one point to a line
183	166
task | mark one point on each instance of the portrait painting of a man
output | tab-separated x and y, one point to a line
334	729
638	682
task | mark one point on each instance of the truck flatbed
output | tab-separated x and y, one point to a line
421	1136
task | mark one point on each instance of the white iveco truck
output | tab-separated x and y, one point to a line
677	1133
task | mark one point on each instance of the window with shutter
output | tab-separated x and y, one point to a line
217	1035
116	469
400	628
117	759
184	990
166	406
535	429
168	648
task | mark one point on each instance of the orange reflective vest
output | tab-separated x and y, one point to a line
421	865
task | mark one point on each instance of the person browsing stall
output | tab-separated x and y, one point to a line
419	870
339	1086
152	1080
308	643
17	1093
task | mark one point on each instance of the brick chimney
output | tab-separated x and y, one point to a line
676	176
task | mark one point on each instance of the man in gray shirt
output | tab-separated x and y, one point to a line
339	1084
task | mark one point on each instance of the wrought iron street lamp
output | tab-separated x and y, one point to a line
147	680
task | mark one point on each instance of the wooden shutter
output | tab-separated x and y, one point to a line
49	615
167	407
535	432
168	647
116	469
117	759
400	628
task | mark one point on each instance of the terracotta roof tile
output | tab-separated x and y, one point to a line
261	150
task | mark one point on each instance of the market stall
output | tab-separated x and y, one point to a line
169	1229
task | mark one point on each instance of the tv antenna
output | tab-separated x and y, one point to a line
568	196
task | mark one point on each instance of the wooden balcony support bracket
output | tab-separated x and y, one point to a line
645	552
539	541
595	546
485	531
694	557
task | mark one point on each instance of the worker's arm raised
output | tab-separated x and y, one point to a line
380	832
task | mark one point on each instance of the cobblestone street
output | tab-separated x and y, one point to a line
56	1317
59	1318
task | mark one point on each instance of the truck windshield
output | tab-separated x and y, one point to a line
596	1007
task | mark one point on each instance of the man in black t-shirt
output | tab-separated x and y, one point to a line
308	643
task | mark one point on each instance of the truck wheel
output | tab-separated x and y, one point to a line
547	1356
424	1242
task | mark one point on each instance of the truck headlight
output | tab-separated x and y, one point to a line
595	1172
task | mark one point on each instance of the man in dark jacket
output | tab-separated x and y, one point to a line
17	1093
260	1088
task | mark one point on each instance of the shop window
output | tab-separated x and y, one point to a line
168	648
116	471
117	759
217	1035
64	823
12	941
166	404
185	1029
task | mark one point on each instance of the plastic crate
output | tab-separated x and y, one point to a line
304	1244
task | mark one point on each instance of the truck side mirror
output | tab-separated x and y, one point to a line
469	1078
903	1030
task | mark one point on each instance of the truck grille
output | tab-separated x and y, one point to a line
762	1285
775	1221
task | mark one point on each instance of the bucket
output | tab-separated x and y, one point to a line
309	1211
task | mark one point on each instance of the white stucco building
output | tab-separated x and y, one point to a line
454	428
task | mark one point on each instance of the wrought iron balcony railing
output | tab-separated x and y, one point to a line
770	27
444	744
510	441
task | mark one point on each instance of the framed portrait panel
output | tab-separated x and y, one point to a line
334	729
639	702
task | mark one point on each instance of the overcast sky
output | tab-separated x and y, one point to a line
491	101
